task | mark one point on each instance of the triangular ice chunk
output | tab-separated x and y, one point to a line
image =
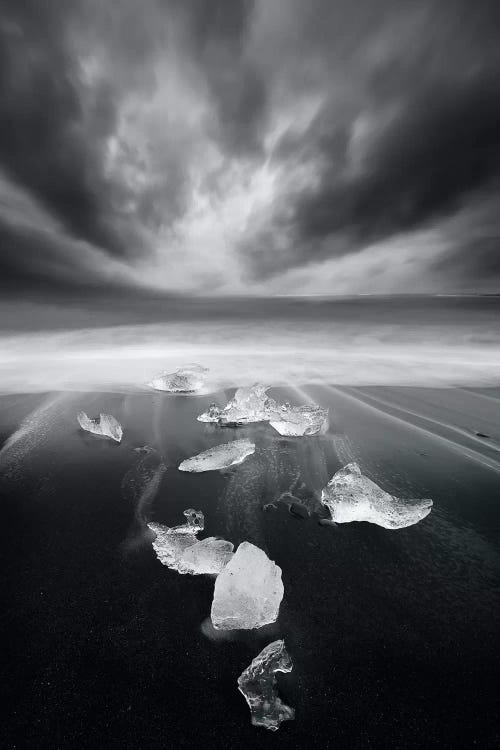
248	592
105	425
350	496
258	685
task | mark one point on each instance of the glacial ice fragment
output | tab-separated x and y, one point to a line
186	379
248	405
178	548
219	457
350	496
208	556
171	542
254	405
258	684
248	592
300	420
105	425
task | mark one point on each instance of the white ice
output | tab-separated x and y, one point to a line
185	379
300	420
350	496
105	425
248	405
248	592
254	405
258	684
207	557
178	547
219	457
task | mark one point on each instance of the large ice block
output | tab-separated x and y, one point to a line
248	592
219	457
258	684
185	379
350	496
300	420
105	425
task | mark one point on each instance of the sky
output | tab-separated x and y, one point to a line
269	147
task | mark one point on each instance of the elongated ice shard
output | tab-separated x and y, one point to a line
178	547
350	496
258	684
185	379
248	592
105	425
219	457
300	420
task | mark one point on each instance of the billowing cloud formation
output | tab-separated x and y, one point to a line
250	145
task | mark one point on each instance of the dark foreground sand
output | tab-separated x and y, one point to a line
394	635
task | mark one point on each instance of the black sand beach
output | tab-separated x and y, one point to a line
393	634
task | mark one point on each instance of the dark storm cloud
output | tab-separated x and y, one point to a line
427	106
120	119
43	144
445	143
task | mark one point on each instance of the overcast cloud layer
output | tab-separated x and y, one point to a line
275	146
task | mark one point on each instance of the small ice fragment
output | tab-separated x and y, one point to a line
208	556
185	379
248	592
171	542
219	457
258	684
248	405
350	496
105	425
300	420
213	414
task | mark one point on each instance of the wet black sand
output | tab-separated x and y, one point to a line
394	635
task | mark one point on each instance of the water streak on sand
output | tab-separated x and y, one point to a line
446	434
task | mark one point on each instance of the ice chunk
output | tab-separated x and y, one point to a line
300	420
248	592
171	542
219	457
105	425
258	685
208	556
350	496
178	548
254	405
248	405
185	379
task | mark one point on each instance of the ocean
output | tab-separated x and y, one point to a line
394	634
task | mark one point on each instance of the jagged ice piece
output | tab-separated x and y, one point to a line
350	496
219	457
258	684
171	542
185	379
248	592
105	425
248	405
